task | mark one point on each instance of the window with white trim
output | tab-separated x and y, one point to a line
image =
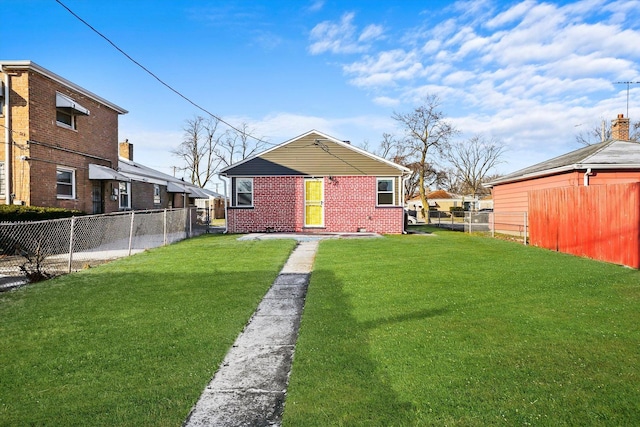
124	195
385	191
67	110
243	192
65	119
65	183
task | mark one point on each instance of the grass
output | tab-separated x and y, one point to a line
133	342
459	330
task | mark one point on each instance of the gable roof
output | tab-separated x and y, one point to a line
612	154
314	154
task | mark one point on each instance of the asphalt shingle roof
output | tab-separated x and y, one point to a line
610	153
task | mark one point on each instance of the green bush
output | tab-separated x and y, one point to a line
12	213
457	211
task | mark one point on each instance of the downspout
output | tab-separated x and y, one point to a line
226	213
7	137
403	179
587	174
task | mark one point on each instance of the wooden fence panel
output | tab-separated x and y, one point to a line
600	221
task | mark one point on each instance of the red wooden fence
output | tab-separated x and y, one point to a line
600	221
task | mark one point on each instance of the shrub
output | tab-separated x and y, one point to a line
457	211
12	213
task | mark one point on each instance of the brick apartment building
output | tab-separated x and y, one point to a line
59	142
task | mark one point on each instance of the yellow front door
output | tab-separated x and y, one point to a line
313	203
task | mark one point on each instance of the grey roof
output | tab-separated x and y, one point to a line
612	154
138	172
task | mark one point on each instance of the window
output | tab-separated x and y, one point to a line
2	181
67	111
65	119
244	191
65	183
156	194
385	191
124	196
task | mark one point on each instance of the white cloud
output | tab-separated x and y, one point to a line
386	101
342	37
525	73
371	32
316	6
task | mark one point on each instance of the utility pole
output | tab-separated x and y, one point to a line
628	84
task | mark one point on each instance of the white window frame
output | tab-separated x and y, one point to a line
237	204
124	189
72	183
71	126
393	191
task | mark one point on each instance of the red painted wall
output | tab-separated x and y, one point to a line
349	205
600	221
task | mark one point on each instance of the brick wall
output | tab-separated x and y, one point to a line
349	206
278	206
33	101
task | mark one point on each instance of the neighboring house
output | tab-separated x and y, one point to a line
614	161
148	188
441	201
60	141
584	202
315	183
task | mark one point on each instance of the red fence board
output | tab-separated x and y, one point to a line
600	221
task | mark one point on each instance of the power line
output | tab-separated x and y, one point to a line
158	78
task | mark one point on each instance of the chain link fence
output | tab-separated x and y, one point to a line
31	251
508	225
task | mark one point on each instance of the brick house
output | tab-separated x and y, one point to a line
315	183
60	142
148	188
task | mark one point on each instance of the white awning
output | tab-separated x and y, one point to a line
104	173
190	189
65	103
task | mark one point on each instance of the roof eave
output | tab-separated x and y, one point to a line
568	168
30	65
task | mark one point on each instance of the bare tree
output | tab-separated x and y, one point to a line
427	134
473	159
198	149
238	145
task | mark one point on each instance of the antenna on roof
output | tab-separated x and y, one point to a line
628	84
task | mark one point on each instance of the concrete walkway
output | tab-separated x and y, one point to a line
249	387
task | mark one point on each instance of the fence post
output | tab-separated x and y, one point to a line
493	224
189	212
525	228
131	232
73	222
164	228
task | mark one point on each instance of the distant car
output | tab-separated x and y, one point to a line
410	216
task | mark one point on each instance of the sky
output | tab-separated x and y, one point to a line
531	74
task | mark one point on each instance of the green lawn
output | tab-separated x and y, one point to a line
459	330
133	342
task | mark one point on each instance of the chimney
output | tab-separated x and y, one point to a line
126	150
620	128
